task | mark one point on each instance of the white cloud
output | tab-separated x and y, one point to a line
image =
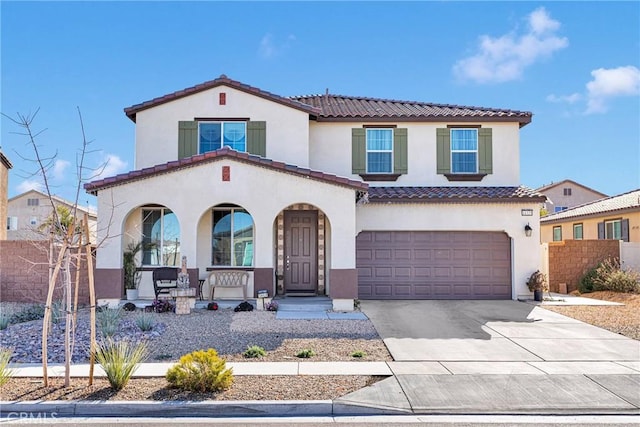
270	47
504	58
569	99
59	168
611	83
30	184
111	165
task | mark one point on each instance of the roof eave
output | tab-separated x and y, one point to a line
523	121
457	200
222	81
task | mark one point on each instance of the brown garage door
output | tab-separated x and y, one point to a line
433	265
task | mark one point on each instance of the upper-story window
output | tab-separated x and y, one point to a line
33	202
559	208
464	150
379	150
464	153
557	233
215	135
566	191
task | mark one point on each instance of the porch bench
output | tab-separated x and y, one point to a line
226	279
165	279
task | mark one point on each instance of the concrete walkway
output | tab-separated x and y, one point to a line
451	357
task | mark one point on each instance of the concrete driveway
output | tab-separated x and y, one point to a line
495	331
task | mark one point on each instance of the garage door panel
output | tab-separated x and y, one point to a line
433	265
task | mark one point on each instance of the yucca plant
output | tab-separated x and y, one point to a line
108	321
5	371
120	360
145	322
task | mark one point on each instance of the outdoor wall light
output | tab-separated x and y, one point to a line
528	230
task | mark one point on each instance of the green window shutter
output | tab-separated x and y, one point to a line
187	139
485	151
443	148
400	160
257	138
358	151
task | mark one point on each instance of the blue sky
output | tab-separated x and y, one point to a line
575	65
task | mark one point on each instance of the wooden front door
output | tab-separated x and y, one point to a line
300	251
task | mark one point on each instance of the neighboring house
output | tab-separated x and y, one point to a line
333	195
567	194
616	217
27	212
5	165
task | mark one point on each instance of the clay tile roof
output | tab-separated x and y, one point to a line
625	201
454	194
220	81
224	153
336	107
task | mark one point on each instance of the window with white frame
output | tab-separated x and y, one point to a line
379	150
464	150
577	232
557	233
232	237
215	135
160	237
613	229
12	223
559	208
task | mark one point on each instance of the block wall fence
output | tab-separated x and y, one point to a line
569	260
24	273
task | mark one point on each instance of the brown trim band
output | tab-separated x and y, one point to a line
464	126
468	177
380	176
380	126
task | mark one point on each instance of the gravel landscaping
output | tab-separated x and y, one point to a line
231	333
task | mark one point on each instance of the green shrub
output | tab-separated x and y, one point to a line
254	352
28	313
358	354
5	319
5	372
145	322
306	353
108	320
201	371
120	359
587	281
610	277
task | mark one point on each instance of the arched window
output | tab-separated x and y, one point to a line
160	237
232	237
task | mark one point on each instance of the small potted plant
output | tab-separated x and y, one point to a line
537	284
132	273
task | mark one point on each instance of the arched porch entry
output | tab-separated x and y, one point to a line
301	233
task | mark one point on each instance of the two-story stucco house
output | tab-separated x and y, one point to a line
27	212
342	196
567	194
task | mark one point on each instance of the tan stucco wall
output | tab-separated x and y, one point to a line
526	256
330	151
157	128
590	226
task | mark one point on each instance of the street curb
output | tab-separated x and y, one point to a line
282	408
